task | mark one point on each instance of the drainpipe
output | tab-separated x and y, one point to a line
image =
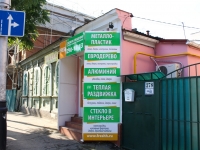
164	56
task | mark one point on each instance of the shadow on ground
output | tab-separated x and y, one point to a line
47	139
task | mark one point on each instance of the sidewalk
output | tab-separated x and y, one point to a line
26	132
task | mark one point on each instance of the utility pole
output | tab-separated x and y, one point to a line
7	24
4	5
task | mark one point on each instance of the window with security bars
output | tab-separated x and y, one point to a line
25	83
36	81
56	78
47	81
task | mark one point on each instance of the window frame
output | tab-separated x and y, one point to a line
38	87
45	93
57	75
25	84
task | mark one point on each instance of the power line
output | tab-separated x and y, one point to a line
166	22
184	30
157	21
64	4
62	21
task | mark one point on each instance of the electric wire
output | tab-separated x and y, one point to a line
184	30
168	23
62	21
165	22
62	4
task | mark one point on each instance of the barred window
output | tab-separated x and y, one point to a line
25	83
36	81
56	78
47	80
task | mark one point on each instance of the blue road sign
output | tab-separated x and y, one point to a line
12	23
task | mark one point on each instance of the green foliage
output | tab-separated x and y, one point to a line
35	15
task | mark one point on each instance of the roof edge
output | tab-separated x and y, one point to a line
193	44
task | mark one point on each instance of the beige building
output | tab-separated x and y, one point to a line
36	71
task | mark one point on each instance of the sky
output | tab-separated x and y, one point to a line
180	12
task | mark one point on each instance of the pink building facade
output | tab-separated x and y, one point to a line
138	50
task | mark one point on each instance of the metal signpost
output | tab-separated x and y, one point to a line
11	24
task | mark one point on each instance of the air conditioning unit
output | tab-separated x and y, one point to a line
168	68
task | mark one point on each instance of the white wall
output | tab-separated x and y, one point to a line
81	63
102	23
195	37
68	91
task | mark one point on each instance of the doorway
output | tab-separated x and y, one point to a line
141	118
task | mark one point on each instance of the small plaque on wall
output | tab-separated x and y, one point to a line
149	88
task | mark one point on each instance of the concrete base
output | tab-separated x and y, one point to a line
39	113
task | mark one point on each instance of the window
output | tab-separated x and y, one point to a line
36	81
56	78
25	84
46	90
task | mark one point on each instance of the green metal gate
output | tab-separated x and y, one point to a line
167	120
140	119
180	108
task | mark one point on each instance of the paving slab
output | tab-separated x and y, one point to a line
25	132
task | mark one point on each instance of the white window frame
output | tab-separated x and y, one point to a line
25	84
45	93
37	87
57	72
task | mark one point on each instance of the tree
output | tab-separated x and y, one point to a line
35	15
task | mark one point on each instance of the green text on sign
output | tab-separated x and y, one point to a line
101	91
101	114
75	44
102	38
102	71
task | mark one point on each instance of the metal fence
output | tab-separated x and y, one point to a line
180	107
